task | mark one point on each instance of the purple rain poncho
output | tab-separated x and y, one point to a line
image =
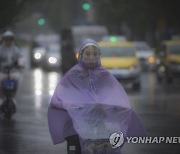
90	102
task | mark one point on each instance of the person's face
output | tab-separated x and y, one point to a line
90	55
8	41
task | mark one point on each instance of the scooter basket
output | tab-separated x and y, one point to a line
9	85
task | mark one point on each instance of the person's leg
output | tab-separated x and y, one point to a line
73	144
16	76
2	77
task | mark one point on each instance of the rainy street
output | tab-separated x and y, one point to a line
158	105
138	42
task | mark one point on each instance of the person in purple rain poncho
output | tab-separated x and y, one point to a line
89	105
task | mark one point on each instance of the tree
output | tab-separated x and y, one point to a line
140	15
11	12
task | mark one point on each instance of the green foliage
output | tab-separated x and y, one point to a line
10	11
139	15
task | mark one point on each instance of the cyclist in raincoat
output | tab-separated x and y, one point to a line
10	55
89	104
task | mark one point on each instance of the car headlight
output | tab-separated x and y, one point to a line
52	60
133	67
77	55
37	55
161	69
158	61
151	59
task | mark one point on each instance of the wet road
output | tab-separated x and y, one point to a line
158	105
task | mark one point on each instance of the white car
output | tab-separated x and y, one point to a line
146	55
39	48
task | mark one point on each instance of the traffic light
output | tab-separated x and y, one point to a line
41	21
86	6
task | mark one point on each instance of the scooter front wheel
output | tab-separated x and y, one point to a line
8	108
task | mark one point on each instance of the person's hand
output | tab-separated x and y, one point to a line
20	63
21	66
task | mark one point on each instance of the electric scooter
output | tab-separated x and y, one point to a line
9	87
